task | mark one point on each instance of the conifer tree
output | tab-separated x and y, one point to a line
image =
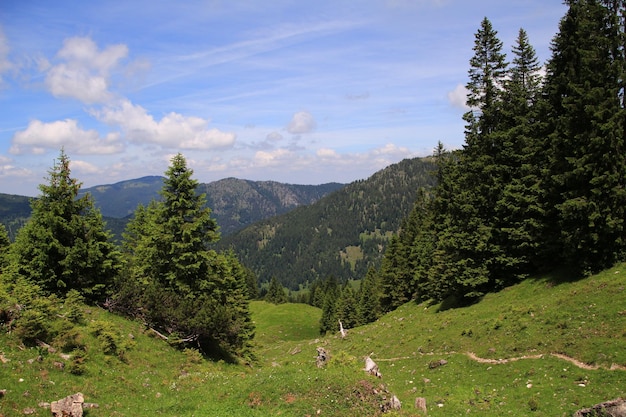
467	259
176	282
369	309
65	244
586	181
517	214
330	290
346	307
275	293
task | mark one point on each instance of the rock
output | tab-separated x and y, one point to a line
420	404
371	367
70	406
392	404
322	357
3	392
437	364
613	408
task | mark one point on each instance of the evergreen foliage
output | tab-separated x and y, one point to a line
369	309
586	189
313	242
539	182
175	281
346	308
275	293
65	245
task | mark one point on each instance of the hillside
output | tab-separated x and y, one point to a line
14	210
545	347
342	234
234	203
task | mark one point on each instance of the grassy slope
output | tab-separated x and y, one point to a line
585	319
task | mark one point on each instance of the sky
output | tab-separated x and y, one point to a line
300	92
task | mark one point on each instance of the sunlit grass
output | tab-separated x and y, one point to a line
536	319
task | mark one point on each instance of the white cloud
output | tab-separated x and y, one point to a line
40	137
458	97
326	153
84	71
301	122
272	158
84	167
172	131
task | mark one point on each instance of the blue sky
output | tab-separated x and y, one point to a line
284	90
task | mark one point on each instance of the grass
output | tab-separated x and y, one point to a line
537	318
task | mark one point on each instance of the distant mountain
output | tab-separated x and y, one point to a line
122	198
234	203
14	211
239	203
342	234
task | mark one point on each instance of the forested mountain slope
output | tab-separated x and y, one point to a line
343	234
14	210
234	203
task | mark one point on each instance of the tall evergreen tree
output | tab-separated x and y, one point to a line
518	215
468	261
330	289
346	307
369	309
177	282
586	193
65	244
395	276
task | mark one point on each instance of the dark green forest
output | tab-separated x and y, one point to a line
342	235
539	185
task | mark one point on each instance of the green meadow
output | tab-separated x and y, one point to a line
545	347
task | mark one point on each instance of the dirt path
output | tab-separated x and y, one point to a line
561	356
472	356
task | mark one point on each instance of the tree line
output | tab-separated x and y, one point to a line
166	272
540	183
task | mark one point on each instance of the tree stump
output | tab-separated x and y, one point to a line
420	404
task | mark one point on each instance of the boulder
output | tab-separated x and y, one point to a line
614	408
70	406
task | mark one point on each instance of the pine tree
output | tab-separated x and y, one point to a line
518	215
395	276
176	282
65	244
330	291
346	308
275	293
369	309
586	192
467	259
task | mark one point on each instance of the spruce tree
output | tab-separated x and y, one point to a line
65	245
275	292
468	261
369	309
518	214
177	282
346	307
586	182
330	290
